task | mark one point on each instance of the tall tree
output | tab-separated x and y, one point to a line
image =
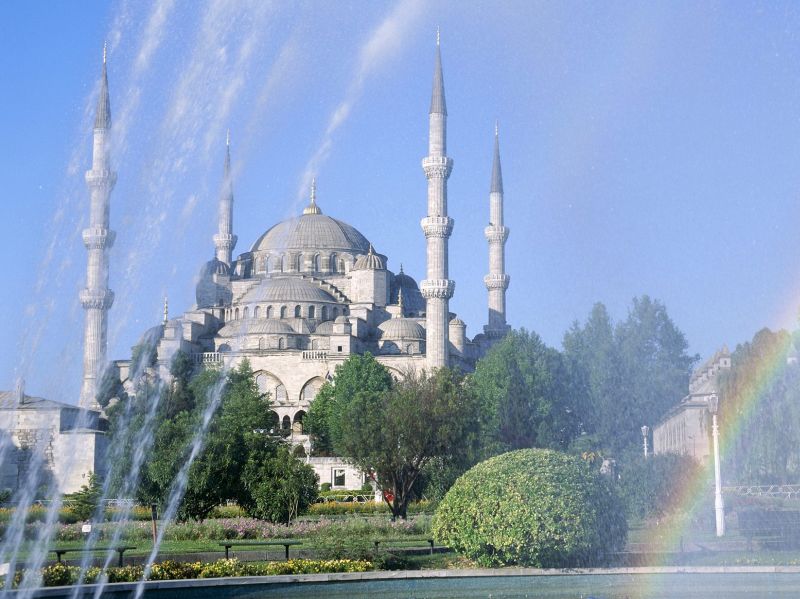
398	432
760	412
524	392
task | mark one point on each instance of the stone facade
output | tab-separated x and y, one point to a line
66	441
686	429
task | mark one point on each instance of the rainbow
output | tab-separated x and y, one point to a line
748	386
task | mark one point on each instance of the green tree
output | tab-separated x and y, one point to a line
524	393
278	486
396	432
628	379
317	421
84	502
760	412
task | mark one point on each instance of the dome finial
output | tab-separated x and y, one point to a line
312	207
401	269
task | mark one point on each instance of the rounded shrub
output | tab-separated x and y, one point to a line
532	507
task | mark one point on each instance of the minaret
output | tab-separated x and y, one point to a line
437	288
97	298
225	240
496	234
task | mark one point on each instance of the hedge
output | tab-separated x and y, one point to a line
532	507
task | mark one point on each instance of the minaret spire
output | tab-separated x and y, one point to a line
225	240
437	288
166	310
96	298
496	234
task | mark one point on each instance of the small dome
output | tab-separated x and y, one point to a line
457	322
255	326
324	328
214	267
412	298
369	261
401	328
286	289
342	320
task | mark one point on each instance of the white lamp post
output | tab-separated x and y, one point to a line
645	430
719	504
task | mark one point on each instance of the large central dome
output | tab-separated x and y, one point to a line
312	232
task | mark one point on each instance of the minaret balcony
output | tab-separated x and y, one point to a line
494	281
437	226
437	167
496	233
97	238
437	288
225	241
98	299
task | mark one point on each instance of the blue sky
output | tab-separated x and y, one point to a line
649	147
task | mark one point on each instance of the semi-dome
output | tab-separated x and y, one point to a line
312	232
255	326
401	328
286	289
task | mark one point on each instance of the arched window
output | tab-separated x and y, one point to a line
283	311
246	313
280	343
262	343
280	392
316	263
344	311
311	311
284	263
340	266
256	311
324	315
274	420
297	311
296	262
333	262
287	423
236	314
297	425
335	313
310	390
262	264
269	311
267	264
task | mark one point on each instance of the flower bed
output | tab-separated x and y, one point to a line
63	575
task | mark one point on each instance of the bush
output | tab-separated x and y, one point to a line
655	487
532	507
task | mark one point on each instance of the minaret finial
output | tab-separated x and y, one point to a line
166	310
105	49
496	128
401	313
438	39
401	269
312	207
228	138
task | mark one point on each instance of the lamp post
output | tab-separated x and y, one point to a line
645	430
719	504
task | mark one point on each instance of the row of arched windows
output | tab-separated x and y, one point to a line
294	262
312	312
293	424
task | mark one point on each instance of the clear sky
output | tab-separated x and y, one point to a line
648	147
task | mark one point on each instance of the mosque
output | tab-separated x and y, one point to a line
310	291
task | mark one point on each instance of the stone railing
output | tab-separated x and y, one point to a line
315	354
204	358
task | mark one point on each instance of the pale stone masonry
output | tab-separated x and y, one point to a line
98	238
437	288
496	234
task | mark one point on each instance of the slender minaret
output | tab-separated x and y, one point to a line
97	298
437	288
496	234
225	240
